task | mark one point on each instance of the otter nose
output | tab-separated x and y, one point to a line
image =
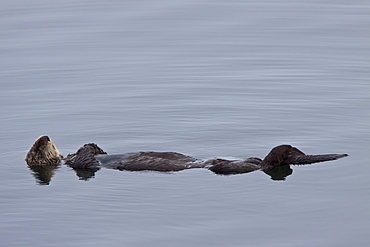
47	138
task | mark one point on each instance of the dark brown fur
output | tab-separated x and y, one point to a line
91	157
222	166
85	157
156	161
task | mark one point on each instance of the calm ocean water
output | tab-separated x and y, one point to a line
203	78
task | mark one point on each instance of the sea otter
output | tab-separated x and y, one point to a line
91	157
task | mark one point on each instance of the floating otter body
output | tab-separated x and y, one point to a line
91	157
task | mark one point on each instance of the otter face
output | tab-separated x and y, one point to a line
43	152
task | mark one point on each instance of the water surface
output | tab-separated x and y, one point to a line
203	78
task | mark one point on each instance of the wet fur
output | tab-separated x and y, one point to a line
43	152
228	167
92	157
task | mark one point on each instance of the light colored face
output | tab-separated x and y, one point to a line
51	151
43	152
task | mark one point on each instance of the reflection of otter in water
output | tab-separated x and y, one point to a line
90	158
43	174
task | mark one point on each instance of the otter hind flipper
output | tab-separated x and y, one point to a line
286	154
310	159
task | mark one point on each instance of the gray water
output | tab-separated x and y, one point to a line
203	78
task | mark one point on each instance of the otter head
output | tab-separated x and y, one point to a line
43	152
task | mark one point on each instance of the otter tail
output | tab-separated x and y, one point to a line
310	159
